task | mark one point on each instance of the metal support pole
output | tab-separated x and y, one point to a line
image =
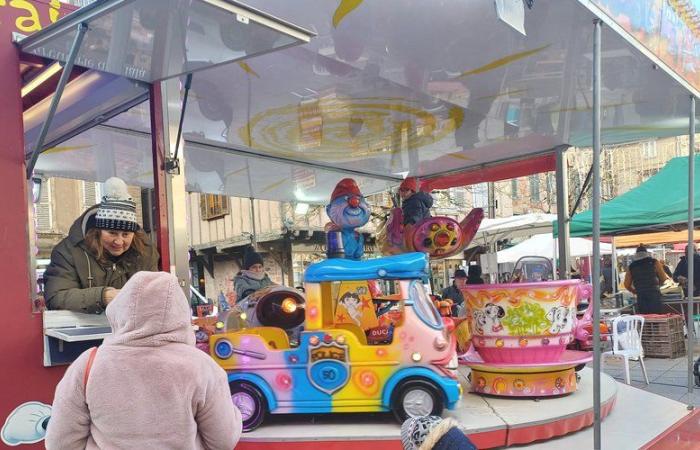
253	227
614	275
562	175
491	194
176	193
598	24
690	253
65	75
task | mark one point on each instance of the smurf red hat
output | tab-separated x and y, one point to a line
346	186
410	184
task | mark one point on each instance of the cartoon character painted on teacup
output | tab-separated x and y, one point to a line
348	211
559	316
494	314
479	321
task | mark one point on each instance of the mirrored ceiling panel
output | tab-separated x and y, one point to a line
151	40
388	90
105	151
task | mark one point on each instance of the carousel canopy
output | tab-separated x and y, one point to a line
385	89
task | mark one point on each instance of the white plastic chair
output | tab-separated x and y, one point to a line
627	342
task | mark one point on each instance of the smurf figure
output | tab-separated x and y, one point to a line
348	211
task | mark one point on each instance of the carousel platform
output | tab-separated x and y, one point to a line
489	422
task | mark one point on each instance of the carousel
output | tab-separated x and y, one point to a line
326	103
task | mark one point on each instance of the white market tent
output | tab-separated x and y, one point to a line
525	225
545	245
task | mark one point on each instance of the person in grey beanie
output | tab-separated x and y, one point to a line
252	277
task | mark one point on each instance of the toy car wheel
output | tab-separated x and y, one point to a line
417	398
250	402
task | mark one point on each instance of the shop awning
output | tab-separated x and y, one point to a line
677	238
660	203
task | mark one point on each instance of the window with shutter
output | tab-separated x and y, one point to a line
213	206
89	195
44	216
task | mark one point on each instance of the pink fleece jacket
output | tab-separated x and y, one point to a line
149	386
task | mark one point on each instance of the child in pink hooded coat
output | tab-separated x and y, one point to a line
149	386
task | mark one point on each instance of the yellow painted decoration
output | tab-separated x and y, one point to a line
274	186
66	148
516	382
503	61
249	70
459	156
344	8
503	94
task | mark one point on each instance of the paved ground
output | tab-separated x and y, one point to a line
667	377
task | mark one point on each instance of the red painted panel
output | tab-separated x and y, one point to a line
23	377
505	171
490	439
549	430
683	435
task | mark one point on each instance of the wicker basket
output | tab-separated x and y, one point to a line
660	349
662	328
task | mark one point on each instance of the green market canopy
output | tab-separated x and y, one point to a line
659	203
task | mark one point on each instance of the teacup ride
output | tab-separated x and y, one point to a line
439	236
520	332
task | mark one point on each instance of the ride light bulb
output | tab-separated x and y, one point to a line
289	305
416	357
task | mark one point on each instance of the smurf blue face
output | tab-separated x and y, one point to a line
348	211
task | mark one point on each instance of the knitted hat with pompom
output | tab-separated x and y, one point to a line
118	210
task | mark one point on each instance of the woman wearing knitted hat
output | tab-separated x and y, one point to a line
253	275
104	248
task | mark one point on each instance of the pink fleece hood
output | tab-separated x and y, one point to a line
149	311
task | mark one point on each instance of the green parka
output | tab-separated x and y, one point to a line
66	279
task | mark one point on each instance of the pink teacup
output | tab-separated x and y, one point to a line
523	323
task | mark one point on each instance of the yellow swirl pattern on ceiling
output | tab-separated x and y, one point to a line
342	129
344	8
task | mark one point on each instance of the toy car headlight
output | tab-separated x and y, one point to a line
223	349
289	305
